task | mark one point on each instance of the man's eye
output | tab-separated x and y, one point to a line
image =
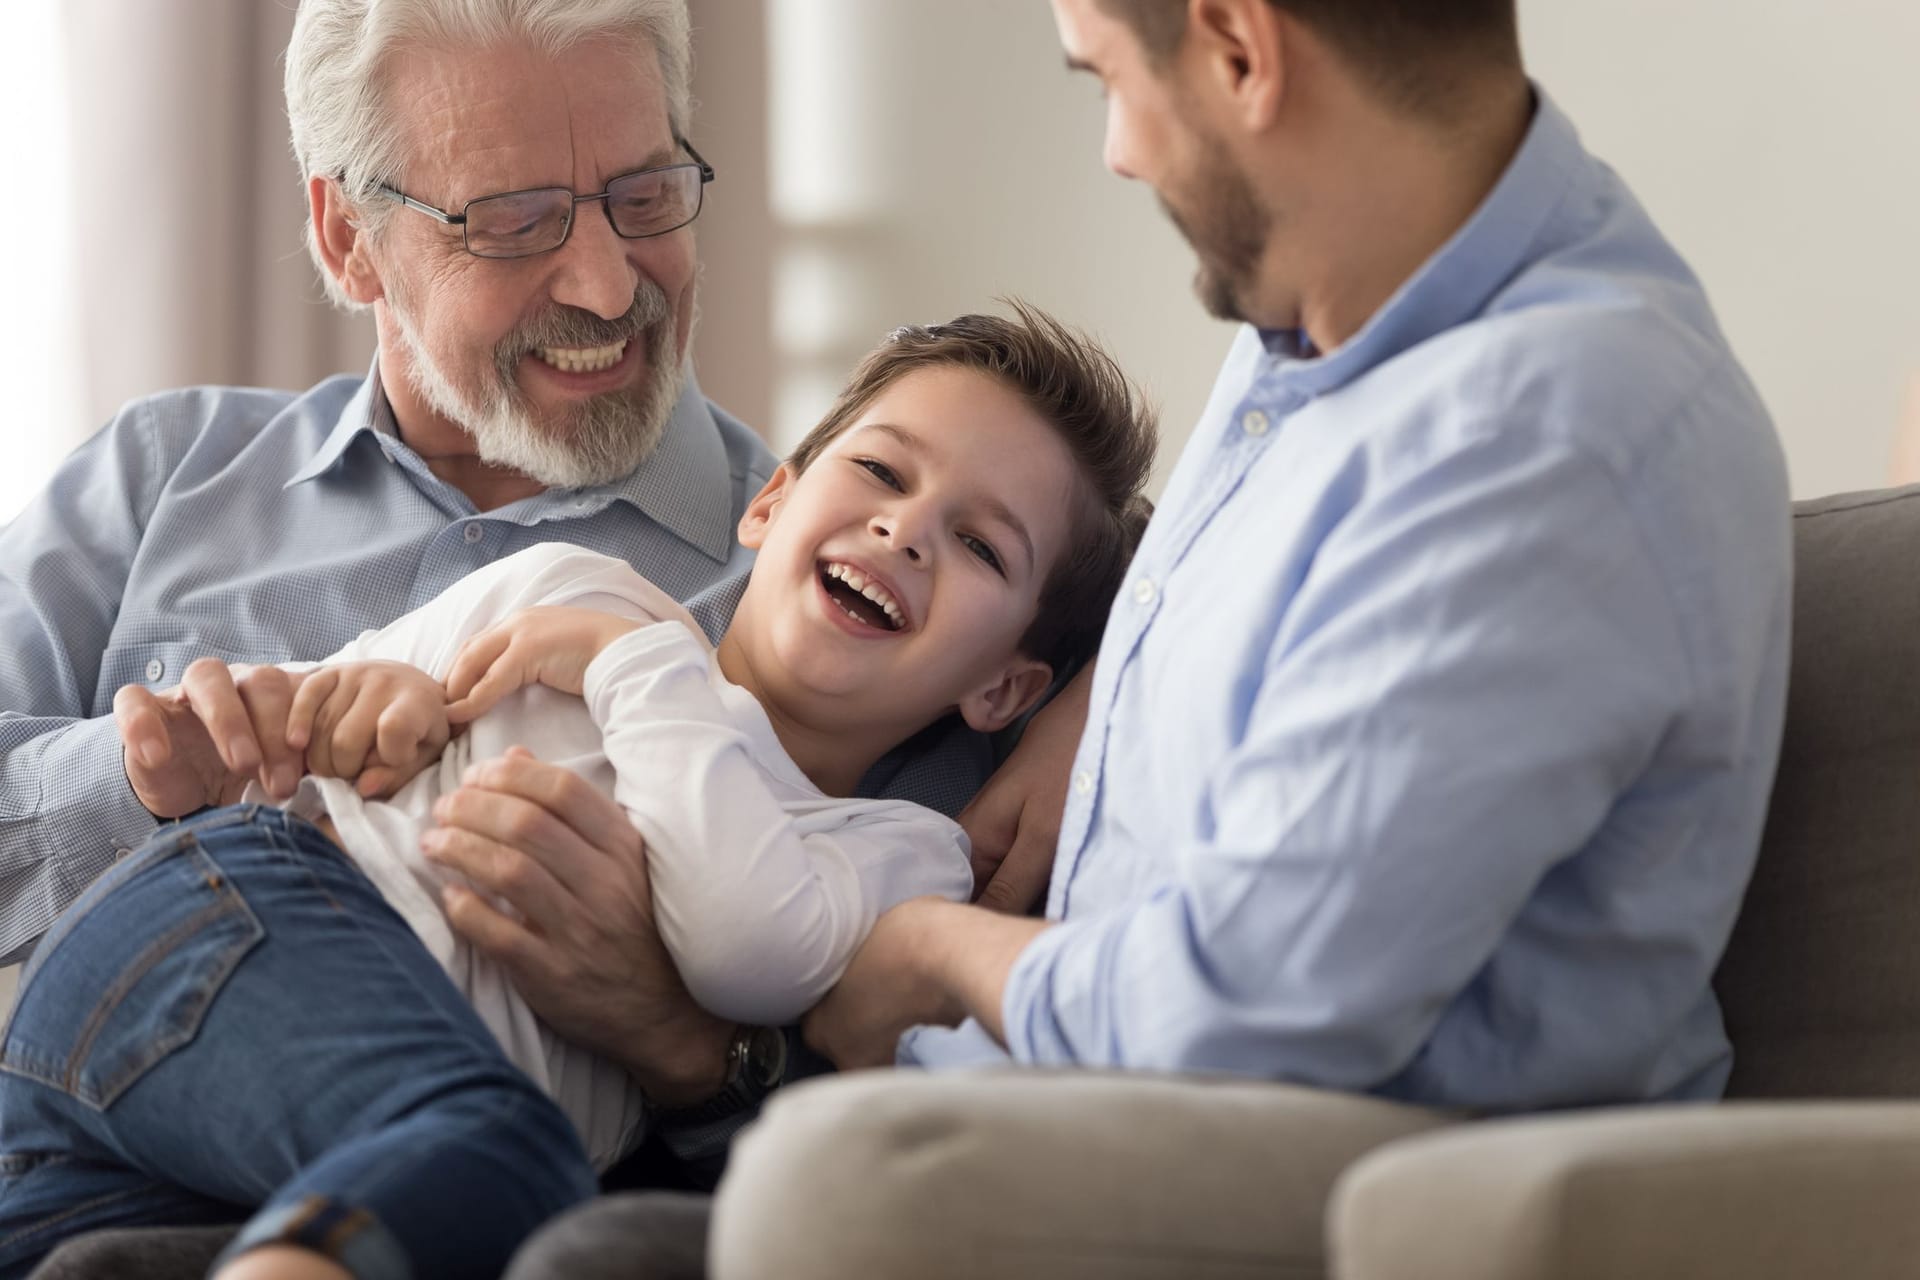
984	552
881	471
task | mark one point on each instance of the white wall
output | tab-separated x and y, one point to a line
924	156
1777	142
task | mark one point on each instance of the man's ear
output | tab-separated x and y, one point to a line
1016	688
343	246
1242	46
760	513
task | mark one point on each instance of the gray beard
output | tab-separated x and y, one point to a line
602	440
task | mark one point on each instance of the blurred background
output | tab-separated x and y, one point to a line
891	160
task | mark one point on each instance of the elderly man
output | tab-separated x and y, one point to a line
508	186
1428	750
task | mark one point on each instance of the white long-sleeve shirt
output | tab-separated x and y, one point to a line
763	887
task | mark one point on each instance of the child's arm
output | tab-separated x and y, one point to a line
760	919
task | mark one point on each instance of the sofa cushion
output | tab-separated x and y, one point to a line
1821	983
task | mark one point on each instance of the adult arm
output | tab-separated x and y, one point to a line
1479	664
1014	823
65	805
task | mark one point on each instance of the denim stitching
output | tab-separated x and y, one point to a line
87	1206
227	903
149	856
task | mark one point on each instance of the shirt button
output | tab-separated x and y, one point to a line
121	853
1083	782
156	669
1255	423
1144	591
474	533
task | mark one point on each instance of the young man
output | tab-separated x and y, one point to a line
234	1016
1431	736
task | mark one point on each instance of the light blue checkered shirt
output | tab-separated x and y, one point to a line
263	526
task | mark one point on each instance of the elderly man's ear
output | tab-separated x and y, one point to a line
342	246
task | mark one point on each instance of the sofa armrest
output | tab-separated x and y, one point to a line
1734	1192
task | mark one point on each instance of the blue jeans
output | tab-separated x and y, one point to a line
233	1025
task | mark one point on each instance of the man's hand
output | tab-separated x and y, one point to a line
379	723
927	962
548	644
584	951
885	990
199	743
1014	823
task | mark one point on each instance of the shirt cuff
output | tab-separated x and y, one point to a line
1049	1008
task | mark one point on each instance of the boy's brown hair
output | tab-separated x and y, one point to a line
1101	416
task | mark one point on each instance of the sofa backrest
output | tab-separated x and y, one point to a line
1821	982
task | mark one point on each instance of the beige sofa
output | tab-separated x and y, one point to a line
1813	1168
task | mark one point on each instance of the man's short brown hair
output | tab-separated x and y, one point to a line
1412	51
1100	415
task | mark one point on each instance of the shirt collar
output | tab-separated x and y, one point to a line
366	412
1456	283
685	485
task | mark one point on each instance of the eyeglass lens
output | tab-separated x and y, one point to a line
649	203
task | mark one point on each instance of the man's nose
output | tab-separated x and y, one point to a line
593	271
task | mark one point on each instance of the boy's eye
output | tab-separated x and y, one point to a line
881	472
984	552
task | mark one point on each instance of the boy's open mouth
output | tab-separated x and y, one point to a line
863	599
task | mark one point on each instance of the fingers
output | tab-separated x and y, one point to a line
992	822
1020	882
498	867
312	694
267	694
210	692
489	929
477	681
143	726
592	818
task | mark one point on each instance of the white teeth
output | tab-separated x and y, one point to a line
582	359
871	590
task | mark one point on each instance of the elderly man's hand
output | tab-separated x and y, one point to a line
1014	823
583	950
198	744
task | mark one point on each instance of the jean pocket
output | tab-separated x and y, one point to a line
131	978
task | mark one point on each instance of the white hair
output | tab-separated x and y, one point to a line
343	125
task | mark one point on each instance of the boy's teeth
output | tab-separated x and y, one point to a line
871	590
582	359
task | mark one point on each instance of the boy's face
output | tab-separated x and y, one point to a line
897	575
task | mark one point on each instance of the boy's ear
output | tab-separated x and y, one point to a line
1018	686
753	526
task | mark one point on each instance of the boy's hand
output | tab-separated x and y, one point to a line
549	645
379	723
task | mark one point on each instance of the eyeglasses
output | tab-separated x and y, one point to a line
519	224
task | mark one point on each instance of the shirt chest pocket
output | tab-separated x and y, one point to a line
159	665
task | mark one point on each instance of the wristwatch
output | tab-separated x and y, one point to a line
756	1063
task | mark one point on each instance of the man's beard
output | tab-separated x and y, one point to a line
602	439
1227	227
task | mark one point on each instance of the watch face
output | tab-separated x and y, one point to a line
767	1056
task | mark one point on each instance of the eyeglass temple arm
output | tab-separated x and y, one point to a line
438	215
706	170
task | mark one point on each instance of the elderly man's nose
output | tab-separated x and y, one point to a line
595	273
